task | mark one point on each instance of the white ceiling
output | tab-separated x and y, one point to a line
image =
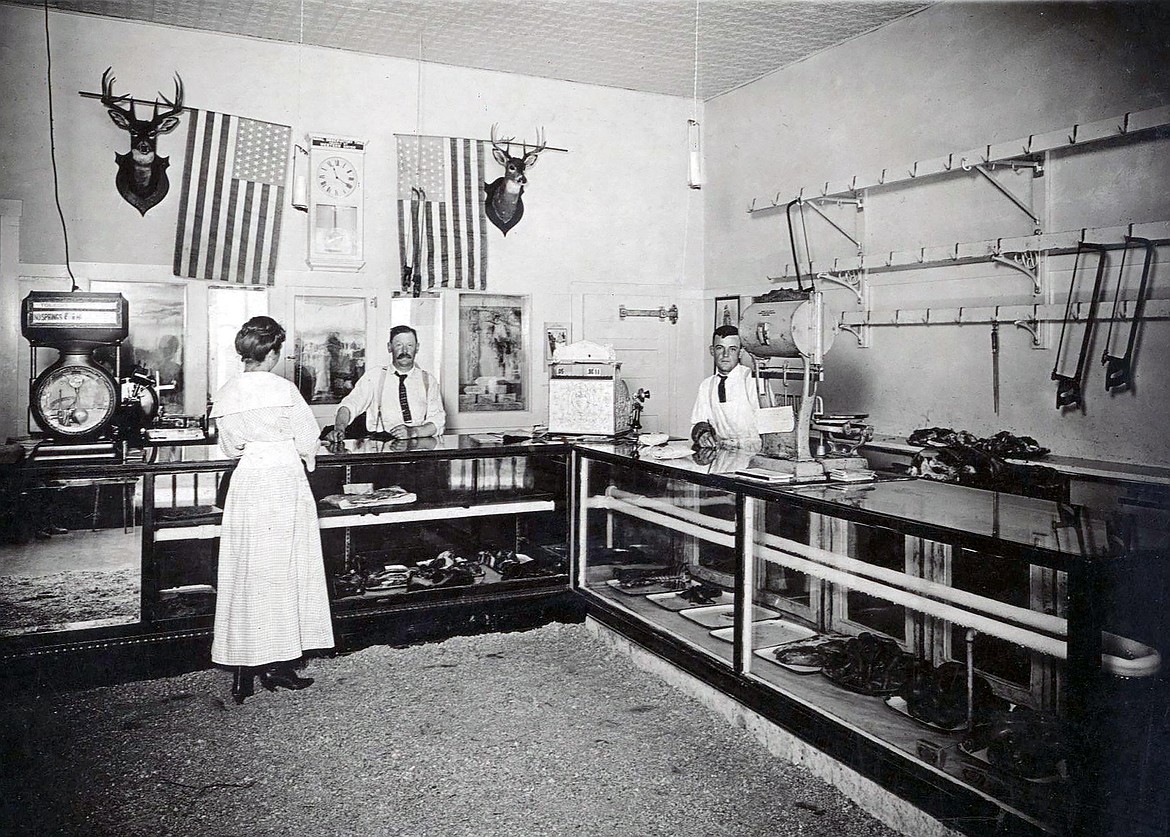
646	45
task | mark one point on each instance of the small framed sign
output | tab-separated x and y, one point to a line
726	313
555	336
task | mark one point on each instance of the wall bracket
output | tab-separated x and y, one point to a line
1032	326
1027	262
861	331
662	312
1007	193
853	280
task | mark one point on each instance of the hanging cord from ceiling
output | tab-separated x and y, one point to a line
53	150
300	190
694	120
419	86
695	91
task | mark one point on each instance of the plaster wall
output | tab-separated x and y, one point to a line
954	77
614	215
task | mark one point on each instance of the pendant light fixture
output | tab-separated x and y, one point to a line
694	129
300	183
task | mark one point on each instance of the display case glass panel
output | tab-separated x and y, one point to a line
411	526
663	549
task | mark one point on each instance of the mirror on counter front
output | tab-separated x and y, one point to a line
70	556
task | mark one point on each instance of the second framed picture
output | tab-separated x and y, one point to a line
493	359
726	313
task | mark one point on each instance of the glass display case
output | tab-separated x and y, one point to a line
105	554
976	653
402	523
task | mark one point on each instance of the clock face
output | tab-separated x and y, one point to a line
74	400
337	177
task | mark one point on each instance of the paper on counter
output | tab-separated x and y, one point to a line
671	450
775	420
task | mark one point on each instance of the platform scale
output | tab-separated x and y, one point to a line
75	400
786	335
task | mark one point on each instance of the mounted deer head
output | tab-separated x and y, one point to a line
142	174
504	203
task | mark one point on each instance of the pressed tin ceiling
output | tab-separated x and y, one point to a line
646	45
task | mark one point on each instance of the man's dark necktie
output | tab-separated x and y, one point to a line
402	398
722	389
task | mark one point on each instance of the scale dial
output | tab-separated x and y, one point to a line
74	399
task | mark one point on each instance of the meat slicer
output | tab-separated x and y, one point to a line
786	335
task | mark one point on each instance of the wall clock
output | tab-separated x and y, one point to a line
336	203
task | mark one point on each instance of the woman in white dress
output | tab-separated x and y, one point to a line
271	602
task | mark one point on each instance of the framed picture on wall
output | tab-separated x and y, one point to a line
726	313
158	334
555	336
329	346
493	363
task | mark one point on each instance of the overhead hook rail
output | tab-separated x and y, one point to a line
1032	145
661	312
973	252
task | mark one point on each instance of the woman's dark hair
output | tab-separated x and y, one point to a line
257	337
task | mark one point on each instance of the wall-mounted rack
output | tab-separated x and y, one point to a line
1025	316
1019	151
1019	251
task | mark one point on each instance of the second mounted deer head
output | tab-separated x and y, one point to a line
142	173
504	203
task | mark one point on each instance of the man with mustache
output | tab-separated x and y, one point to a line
401	400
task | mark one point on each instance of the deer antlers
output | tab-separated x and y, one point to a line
114	103
527	154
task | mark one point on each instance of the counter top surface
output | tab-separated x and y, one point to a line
972	514
208	456
1072	465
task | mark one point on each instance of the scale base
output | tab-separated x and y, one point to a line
99	451
802	470
845	463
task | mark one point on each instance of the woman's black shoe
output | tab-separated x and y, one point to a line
243	683
283	677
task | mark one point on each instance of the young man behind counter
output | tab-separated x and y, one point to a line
726	407
401	400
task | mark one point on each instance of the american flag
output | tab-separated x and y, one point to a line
442	226
233	197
